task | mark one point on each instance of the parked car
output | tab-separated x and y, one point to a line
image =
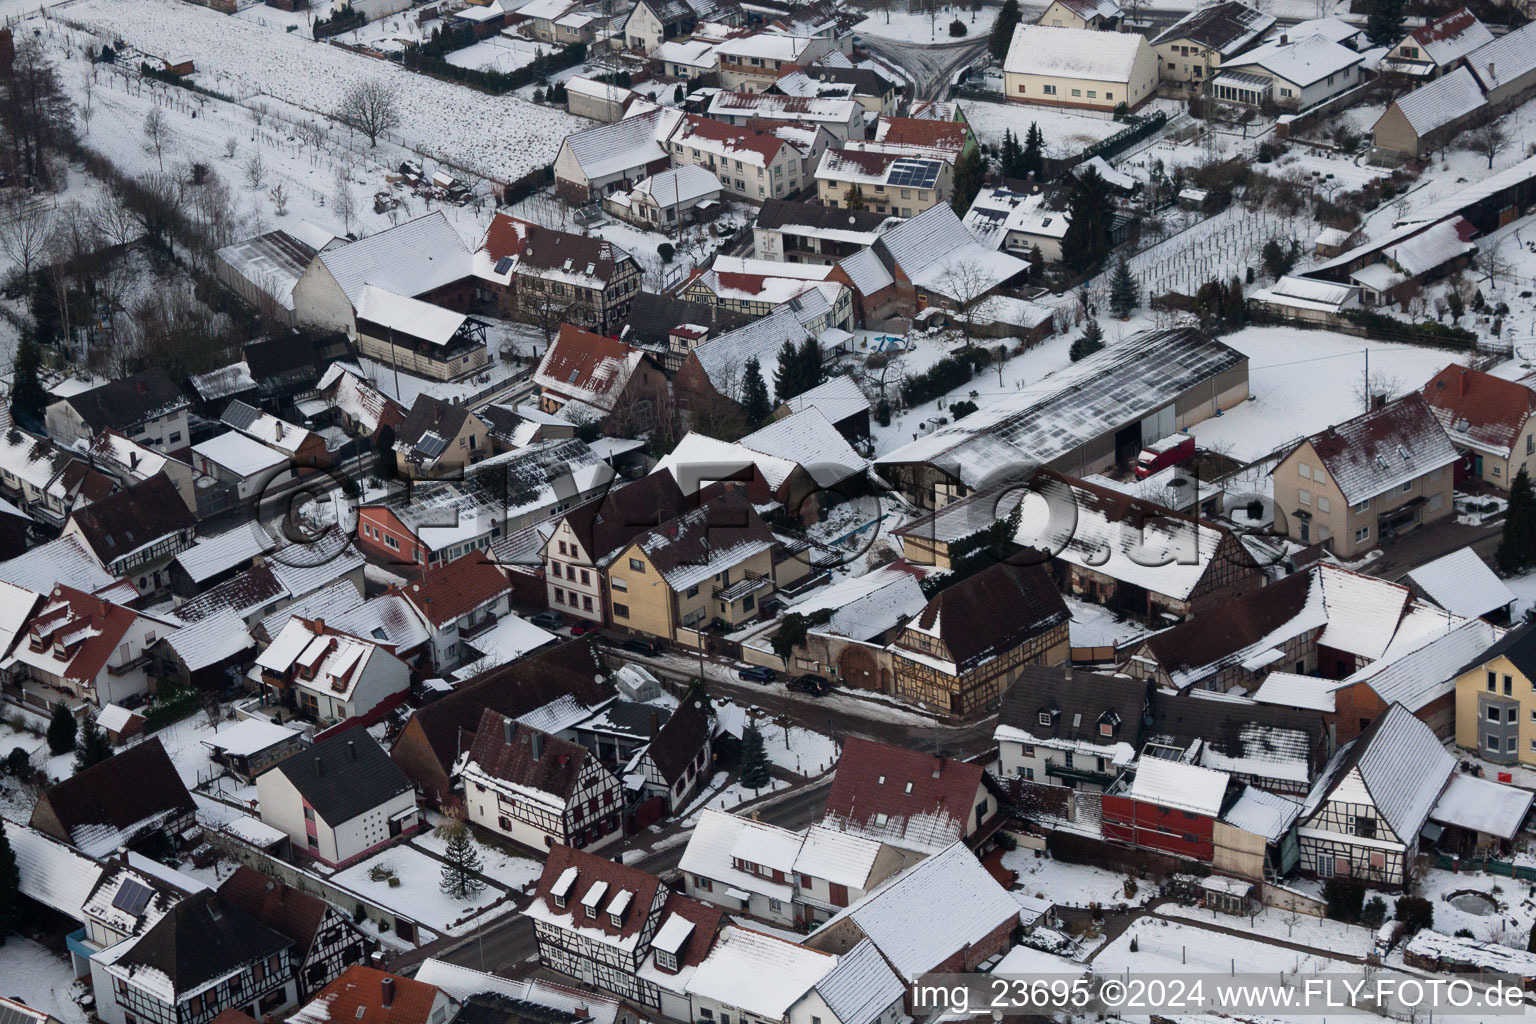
756	674
583	628
813	685
548	620
649	648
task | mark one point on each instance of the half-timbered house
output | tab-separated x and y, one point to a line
537	789
325	941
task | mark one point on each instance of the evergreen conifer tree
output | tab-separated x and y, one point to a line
61	730
754	394
10	886
1091	341
1517	545
92	746
1123	293
754	760
1002	29
459	877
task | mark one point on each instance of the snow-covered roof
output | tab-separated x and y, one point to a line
510	639
865	606
248	736
65	560
462	982
938	254
211	640
924	915
766	46
718	838
1330	28
1426	671
1224	27
1440	102
243	456
1174	784
634	142
867	274
1363	611
861	987
680	187
409	259
1447	39
838	398
1262	813
695	53
1399	765
1290	690
995	213
409	316
812	441
209	556
1454	951
1073	53
841	858
1482	805
1379	451
759	974
1505	59
699	460
1121	384
1465	196
52	872
1461	582
1308	293
1300	61
785	108
724	358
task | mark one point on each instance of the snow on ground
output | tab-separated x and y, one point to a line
1071	885
798	750
499	53
498	136
1186	948
722	797
1198	249
418	896
1327	935
923	28
1067	133
1093	625
1510	924
1303	381
1525	594
41	979
509	869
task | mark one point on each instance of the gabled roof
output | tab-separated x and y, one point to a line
359	994
1074	53
358	399
839	398
587	367
1441	102
900	796
544	251
679	187
288	911
1478	409
408	259
1078	703
989	614
1462	583
634	142
759	974
701	543
1505	59
51	871
133	518
1401	764
1300	61
344	776
606	525
680	739
128	402
74	635
1428	671
861	987
1518	645
1259	740
1384	448
863	607
429	428
200	939
722	358
810	439
1088	9
1184	787
749	145
1450	37
458	588
1224	27
536	764
320	658
929	912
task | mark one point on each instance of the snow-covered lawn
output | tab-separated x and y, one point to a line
1093	625
499	53
1066	133
1326	935
1172	947
798	750
1525	594
922	28
1511	924
1072	885
509	869
1304	381
417	895
39	978
498	136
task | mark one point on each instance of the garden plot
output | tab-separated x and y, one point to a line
498	136
1066	133
499	53
1072	885
1304	381
922	27
512	871
1215	248
415	891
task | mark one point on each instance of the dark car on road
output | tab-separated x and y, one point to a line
548	620
649	648
813	685
756	674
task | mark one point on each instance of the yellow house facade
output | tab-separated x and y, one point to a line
1496	701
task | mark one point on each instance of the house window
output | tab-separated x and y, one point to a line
554	569
559	596
1493	682
776	906
617	582
880	781
621	611
1304	471
1511	745
1028	774
668	962
1105	729
636	565
391	542
1049	90
1323	505
702	883
559	900
1509	686
1361	506
1304	496
1077	92
908	790
1493	714
1044	718
616	920
1363	533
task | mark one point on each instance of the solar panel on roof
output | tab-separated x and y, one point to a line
132	897
504	264
432	445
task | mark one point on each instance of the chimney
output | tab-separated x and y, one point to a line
351	750
278	429
1461	382
133	460
506	731
1490	69
319	768
1284	39
388	985
122	855
1378	400
319	626
538	745
101	608
938	765
655	723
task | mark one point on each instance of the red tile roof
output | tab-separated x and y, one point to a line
287	911
531	758
582	361
458	588
765	144
873	779
1447	27
923	131
88	628
544	248
1480	408
358	997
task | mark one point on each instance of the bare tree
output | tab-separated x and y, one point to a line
87	102
1495	263
257	113
370	108
231	147
112	221
1488	141
346	203
157	135
969	285
255	171
279	197
24	231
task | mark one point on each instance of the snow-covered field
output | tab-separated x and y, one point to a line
501	137
1304	381
499	53
417	895
39	978
509	869
1066	133
923	28
1071	885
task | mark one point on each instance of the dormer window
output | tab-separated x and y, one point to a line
908	789
560	901
1106	729
880	781
1044	718
616	920
591	909
666	961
